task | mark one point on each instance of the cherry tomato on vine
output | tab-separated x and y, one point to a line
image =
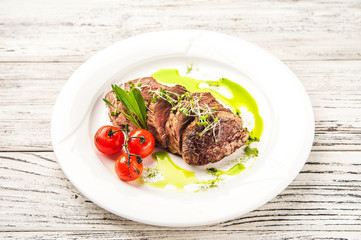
128	172
109	139
137	147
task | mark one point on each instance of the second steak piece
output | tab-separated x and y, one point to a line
175	126
158	114
201	150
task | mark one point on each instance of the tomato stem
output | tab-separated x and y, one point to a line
141	139
111	132
126	145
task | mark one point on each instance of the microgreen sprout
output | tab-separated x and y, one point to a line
191	106
165	95
189	68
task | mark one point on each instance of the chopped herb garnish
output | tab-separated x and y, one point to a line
114	114
252	139
212	171
151	175
250	152
212	184
189	68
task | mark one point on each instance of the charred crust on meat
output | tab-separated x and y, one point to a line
198	150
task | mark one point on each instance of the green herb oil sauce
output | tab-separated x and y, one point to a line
172	174
240	96
179	177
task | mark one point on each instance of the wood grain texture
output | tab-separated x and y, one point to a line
336	104
292	30
183	234
36	196
43	42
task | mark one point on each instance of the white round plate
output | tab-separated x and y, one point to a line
283	103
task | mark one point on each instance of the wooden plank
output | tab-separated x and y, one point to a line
61	30
29	90
181	234
43	43
315	75
36	196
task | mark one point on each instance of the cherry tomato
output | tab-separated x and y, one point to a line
125	172
135	145
109	139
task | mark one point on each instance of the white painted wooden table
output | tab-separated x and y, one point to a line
43	42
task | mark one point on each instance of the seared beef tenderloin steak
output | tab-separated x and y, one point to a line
158	114
178	121
175	126
207	99
177	131
201	150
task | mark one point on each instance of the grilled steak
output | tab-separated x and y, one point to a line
207	99
198	150
178	121
179	132
175	126
158	114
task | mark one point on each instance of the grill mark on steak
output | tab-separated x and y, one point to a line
198	150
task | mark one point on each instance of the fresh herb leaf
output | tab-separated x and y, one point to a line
122	96
130	118
141	104
133	103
